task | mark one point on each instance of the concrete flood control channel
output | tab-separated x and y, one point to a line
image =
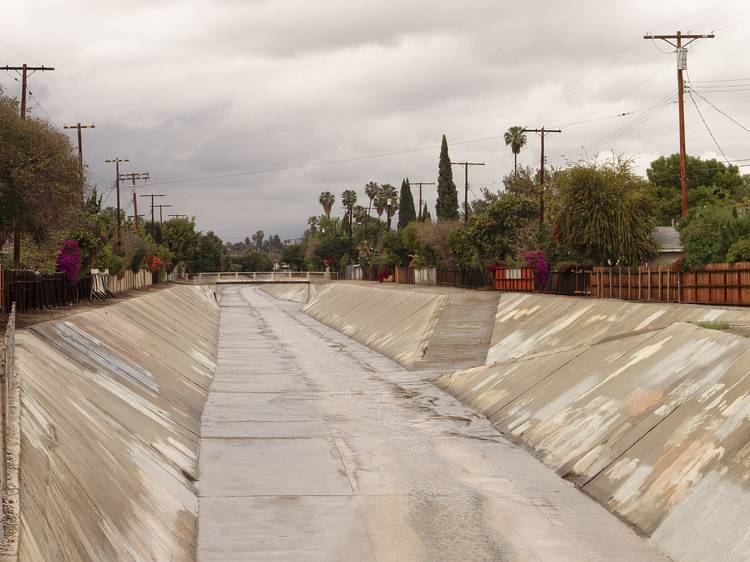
314	447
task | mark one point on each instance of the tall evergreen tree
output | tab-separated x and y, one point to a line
406	211
426	217
447	203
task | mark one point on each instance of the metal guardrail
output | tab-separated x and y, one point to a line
260	277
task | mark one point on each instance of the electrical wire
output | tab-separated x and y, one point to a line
725	114
705	124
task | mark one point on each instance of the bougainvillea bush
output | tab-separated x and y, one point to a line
69	260
536	261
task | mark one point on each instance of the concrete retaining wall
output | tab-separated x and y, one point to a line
397	323
296	292
111	402
648	414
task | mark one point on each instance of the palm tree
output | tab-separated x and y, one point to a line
515	137
327	199
313	222
371	190
390	201
348	200
258	239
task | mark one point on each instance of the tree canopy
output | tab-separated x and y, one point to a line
406	211
446	207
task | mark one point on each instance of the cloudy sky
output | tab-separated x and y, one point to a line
243	110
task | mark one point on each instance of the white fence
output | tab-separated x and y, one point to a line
105	284
425	276
259	277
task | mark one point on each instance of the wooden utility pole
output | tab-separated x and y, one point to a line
420	184
25	71
78	126
681	50
542	132
133	177
466	184
116	162
152	195
161	211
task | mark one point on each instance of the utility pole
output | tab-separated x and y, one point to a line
116	162
133	177
25	71
161	210
420	184
681	65
466	184
80	154
152	195
541	132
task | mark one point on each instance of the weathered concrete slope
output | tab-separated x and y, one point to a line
295	292
649	415
532	323
110	414
397	323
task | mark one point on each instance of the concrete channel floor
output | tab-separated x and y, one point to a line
317	448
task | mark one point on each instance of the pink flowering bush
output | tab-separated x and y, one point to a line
536	261
69	260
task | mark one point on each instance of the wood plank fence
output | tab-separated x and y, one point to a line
717	284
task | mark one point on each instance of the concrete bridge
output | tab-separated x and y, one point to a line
258	277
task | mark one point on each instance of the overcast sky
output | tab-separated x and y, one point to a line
193	89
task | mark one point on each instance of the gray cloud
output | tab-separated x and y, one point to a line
209	88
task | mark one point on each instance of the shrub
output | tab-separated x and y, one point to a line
739	251
69	260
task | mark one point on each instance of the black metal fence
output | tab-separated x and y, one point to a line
471	278
31	290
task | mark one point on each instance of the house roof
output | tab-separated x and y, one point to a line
667	239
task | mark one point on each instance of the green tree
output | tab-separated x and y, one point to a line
389	201
740	250
406	211
603	213
447	202
523	181
709	182
371	191
209	255
709	233
348	200
327	199
426	217
180	237
257	239
294	256
39	177
515	138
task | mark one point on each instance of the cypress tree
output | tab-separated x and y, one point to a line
447	202
406	211
426	217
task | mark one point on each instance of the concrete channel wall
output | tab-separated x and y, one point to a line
295	292
397	323
111	402
641	408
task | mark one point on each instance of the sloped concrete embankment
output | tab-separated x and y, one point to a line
397	323
647	413
111	402
295	292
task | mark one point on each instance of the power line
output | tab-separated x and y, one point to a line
707	127
732	119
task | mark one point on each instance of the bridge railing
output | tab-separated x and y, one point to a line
260	277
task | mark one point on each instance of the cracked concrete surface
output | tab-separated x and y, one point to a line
316	448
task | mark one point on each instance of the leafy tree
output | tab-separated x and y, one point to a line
254	261
209	255
522	181
447	202
257	239
603	213
709	182
426	216
406	213
740	250
515	138
493	236
313	223
39	176
710	232
380	202
181	238
294	256
327	199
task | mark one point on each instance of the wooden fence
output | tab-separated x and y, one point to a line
717	284
31	290
471	278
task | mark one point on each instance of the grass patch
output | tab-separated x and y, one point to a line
722	325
